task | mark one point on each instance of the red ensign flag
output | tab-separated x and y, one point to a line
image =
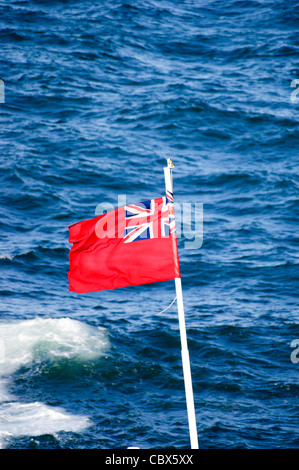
135	244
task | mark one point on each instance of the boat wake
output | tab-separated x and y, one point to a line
23	343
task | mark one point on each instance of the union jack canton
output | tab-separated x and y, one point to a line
149	219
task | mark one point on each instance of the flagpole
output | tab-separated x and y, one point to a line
183	334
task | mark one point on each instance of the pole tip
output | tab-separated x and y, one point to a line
170	163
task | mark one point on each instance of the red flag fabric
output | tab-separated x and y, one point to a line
132	245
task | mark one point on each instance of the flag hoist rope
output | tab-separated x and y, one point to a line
159	313
184	345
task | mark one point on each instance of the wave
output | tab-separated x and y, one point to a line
36	341
7	257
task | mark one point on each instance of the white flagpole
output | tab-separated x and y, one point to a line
184	345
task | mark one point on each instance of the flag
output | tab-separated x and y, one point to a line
134	244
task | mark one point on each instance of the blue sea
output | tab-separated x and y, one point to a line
98	94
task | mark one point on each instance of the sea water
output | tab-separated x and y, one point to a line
97	96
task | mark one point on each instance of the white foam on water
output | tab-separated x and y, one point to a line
34	419
22	343
9	257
